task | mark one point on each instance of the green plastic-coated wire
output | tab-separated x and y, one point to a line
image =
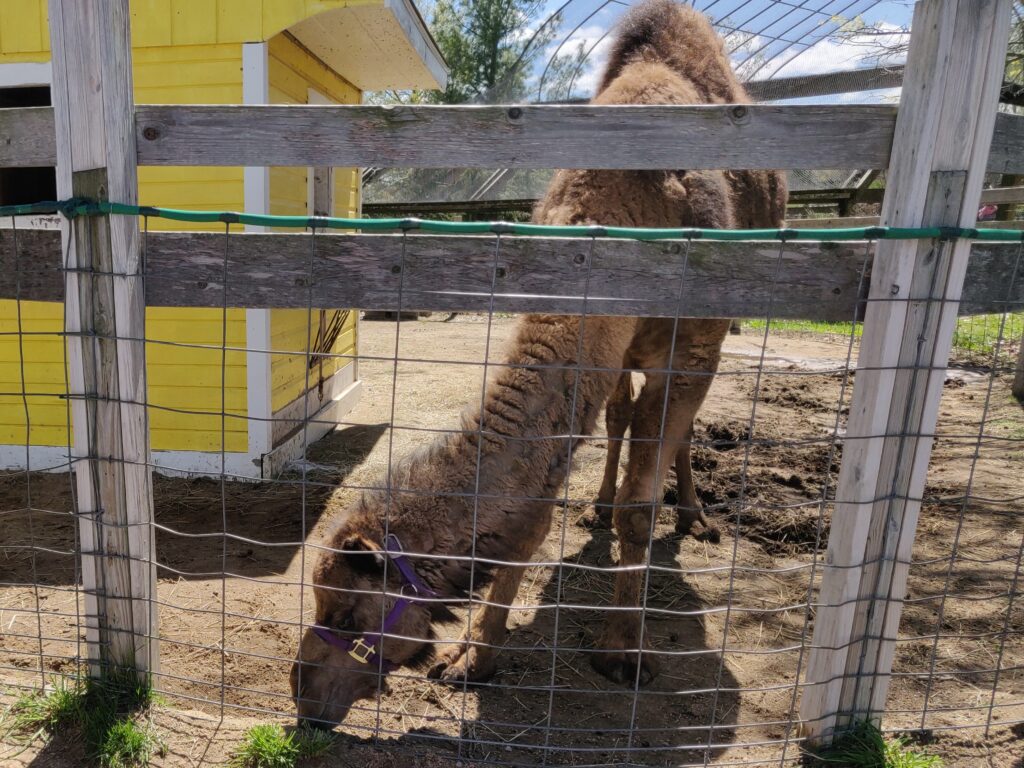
82	207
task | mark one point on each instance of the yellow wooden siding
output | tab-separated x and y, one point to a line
23	25
193	74
44	386
184	382
288	372
23	29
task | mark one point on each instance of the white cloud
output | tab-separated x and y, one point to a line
852	52
596	40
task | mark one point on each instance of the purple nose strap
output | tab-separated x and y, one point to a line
366	646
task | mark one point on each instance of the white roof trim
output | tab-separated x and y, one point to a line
409	18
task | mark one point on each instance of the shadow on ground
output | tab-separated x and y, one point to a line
265	522
551	708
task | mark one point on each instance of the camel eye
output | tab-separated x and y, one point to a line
344	623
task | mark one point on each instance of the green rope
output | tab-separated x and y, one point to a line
81	207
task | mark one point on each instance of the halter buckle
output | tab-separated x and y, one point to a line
360	651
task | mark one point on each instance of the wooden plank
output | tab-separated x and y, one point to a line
1003	195
26	138
826	84
694	137
942	140
105	311
40	248
30	130
323	191
269	273
538	275
1007	155
993	282
323	205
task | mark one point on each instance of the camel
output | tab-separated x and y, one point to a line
469	510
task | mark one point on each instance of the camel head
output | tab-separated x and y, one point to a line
373	614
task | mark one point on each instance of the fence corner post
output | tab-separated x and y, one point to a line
105	324
1017	388
940	149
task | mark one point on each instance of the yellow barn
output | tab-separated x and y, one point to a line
212	52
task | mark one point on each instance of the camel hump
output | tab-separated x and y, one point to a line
679	37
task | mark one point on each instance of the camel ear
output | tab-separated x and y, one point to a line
362	555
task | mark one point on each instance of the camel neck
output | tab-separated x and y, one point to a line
549	392
472	493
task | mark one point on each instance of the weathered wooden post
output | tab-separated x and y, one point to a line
105	321
322	205
1017	387
943	132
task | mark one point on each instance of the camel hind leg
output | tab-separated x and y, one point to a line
698	349
618	414
689	510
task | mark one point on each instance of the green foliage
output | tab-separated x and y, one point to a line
1015	50
100	712
490	46
865	747
270	746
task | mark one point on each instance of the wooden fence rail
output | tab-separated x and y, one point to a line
815	281
540	136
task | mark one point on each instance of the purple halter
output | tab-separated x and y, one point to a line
366	646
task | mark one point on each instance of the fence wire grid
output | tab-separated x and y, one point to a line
727	613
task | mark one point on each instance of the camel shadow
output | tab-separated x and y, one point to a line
547	705
264	522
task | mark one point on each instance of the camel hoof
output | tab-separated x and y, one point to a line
461	668
695	523
621	667
602	514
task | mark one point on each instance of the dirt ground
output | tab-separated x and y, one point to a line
230	605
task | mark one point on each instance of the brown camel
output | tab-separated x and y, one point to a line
473	507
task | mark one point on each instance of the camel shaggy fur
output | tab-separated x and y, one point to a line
480	499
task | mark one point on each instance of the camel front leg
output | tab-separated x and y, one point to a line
636	504
473	658
618	413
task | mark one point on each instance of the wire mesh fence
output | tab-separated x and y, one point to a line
248	567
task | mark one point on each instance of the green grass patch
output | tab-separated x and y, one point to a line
270	746
127	743
978	335
975	337
805	326
34	713
101	713
865	747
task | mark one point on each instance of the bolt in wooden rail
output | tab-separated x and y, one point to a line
940	150
104	318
